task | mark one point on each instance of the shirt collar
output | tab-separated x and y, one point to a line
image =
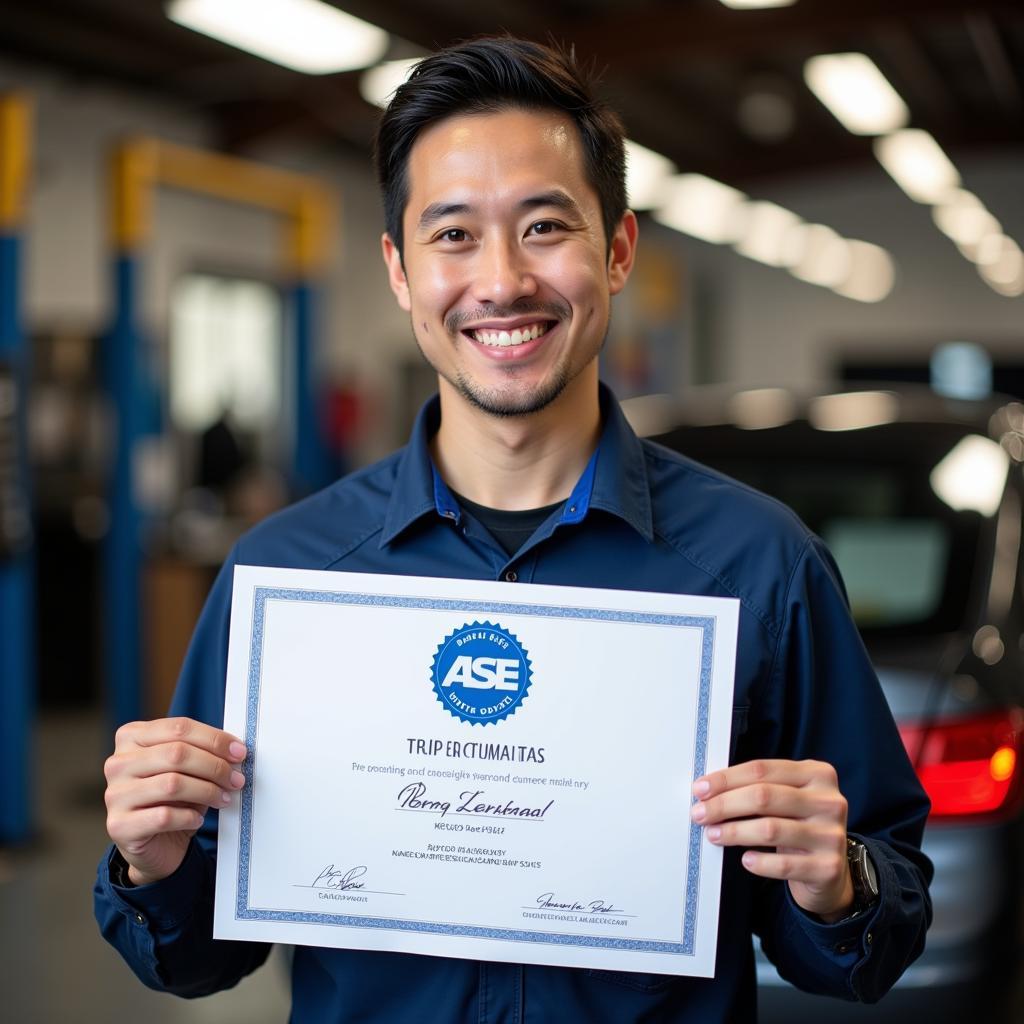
615	479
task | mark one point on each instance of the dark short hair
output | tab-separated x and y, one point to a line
488	75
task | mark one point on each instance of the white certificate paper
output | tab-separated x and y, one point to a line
471	769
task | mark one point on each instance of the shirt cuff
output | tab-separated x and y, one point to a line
849	934
171	901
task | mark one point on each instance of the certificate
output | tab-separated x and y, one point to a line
493	771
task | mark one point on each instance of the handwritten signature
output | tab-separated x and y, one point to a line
335	878
547	901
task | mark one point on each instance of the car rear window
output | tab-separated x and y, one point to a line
908	560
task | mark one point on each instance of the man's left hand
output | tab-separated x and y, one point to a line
796	810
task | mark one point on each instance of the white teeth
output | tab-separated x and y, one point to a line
504	339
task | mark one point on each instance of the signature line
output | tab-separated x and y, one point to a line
465	814
332	888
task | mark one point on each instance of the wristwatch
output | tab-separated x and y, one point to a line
863	875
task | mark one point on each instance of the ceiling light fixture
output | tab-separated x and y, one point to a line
872	273
378	84
819	256
916	162
751	5
646	175
857	93
304	35
766	228
702	207
962	216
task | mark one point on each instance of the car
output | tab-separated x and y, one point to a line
919	497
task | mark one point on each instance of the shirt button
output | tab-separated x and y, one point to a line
139	919
511	576
845	946
868	938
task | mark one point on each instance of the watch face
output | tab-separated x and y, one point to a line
870	876
865	879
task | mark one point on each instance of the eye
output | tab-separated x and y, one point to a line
453	235
543	227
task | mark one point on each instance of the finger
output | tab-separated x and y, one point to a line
179	757
773	832
181	730
142	825
795	866
171	788
781	772
760	800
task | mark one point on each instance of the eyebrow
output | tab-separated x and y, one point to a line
556	197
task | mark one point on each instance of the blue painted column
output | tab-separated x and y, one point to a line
312	466
17	588
122	561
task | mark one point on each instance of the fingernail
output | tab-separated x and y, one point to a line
225	797
698	812
237	780
237	750
714	833
749	859
701	788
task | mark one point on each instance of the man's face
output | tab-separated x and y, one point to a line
507	275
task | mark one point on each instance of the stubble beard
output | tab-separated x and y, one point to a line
510	400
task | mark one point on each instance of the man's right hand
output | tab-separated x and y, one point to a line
161	778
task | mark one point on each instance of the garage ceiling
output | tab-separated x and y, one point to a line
719	91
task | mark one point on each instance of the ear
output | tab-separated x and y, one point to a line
396	272
622	252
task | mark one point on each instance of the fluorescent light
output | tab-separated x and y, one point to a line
378	84
854	410
962	216
304	35
995	249
917	164
872	273
819	256
761	408
751	5
972	475
856	92
702	207
1005	274
765	229
646	174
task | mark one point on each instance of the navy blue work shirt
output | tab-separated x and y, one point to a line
640	518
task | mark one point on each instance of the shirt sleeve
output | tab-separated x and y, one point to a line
826	704
164	931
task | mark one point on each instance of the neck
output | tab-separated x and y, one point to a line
518	462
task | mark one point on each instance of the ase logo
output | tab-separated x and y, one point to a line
481	673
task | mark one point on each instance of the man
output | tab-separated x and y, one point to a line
507	236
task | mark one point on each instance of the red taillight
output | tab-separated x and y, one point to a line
969	766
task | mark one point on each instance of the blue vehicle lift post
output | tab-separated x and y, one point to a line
17	569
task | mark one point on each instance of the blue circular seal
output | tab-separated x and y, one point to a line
481	673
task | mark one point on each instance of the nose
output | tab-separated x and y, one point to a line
503	274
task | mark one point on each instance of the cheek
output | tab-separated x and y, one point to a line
581	280
433	292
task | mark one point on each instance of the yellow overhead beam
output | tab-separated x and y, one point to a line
15	154
141	165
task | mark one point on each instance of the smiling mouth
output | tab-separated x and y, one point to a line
510	339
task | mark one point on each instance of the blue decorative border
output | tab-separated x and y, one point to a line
243	911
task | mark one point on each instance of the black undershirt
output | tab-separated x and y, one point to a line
510	529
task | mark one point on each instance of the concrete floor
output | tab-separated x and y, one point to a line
55	967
